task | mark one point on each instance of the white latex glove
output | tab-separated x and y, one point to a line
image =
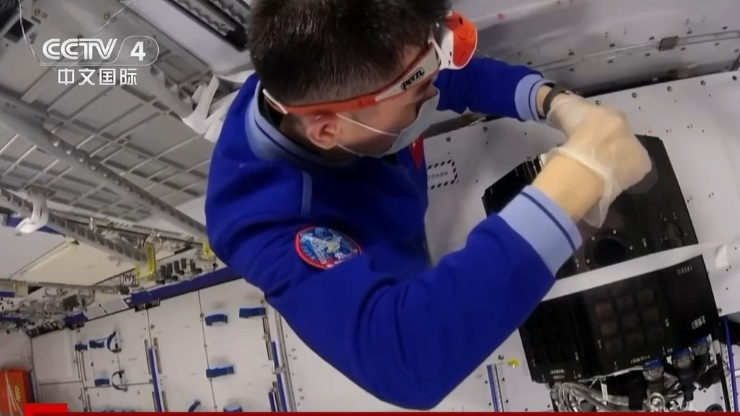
567	117
600	138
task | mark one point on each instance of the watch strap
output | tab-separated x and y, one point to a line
554	92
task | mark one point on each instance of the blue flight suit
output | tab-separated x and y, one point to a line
338	247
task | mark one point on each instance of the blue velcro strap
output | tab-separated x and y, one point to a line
215	318
233	409
100	382
220	371
80	347
271	398
96	343
252	312
112	343
193	407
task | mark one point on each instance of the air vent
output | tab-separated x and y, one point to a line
226	19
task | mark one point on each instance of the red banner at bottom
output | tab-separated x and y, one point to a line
30	409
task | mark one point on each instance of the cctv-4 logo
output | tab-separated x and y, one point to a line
133	51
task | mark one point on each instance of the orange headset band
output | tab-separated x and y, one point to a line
457	43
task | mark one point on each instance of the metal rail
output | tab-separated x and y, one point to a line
72	230
55	146
20	285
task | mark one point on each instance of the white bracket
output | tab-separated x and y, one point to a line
39	216
208	117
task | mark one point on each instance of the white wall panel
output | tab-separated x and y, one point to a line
15	351
133	333
238	343
70	393
176	327
136	398
184	352
26	249
54	357
317	386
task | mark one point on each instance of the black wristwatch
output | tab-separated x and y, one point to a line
554	92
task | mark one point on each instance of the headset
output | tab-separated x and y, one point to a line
451	46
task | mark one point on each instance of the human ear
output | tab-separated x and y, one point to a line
323	131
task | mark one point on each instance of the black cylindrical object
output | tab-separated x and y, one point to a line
654	374
701	353
178	270
685	371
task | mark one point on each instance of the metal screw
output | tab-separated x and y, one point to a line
500	357
703	83
670	88
598	102
634	95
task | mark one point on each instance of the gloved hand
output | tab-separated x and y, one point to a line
567	111
600	138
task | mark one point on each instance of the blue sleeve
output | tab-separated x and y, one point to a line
408	340
493	87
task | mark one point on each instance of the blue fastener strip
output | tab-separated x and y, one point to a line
96	343
75	319
100	382
220	371
193	407
14	318
233	409
492	387
271	398
215	318
283	405
155	382
80	347
207	280
247	313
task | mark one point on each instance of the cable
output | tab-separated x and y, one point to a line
193	407
120	387
112	343
731	362
570	396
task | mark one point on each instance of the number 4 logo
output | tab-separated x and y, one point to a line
138	51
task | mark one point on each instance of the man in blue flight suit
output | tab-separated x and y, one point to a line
317	189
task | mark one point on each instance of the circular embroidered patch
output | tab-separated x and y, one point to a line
323	247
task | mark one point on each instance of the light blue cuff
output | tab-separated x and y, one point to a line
544	225
526	96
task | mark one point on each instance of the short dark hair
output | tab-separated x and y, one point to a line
313	51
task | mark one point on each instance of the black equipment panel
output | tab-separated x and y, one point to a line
624	324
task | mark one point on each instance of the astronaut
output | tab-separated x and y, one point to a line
323	145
